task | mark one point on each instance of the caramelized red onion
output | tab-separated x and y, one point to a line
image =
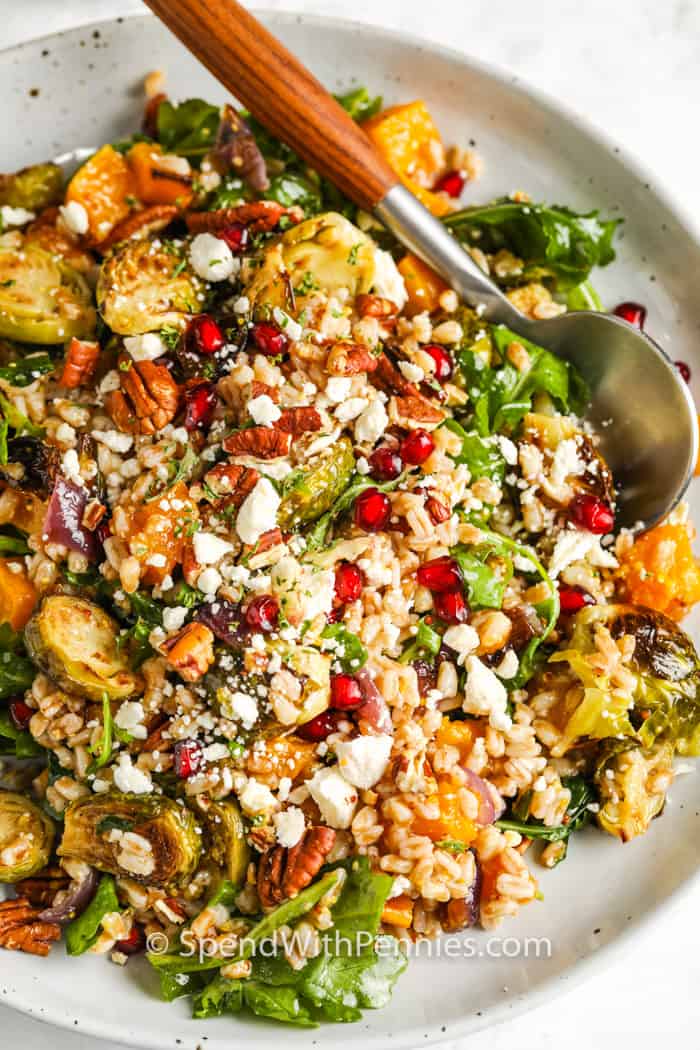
373	710
64	519
225	620
73	901
237	149
490	803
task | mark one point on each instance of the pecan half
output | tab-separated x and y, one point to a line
388	378
437	510
232	483
191	651
261	442
349	359
384	310
149	397
305	420
283	872
416	409
149	124
257	389
79	363
141	224
22	931
41	889
260	216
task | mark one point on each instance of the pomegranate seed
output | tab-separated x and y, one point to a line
319	727
426	673
187	756
441	575
571	599
345	692
205	335
134	943
336	614
684	369
200	402
416	447
372	510
451	606
442	359
349	582
269	339
20	713
451	183
593	514
236	236
385	463
263	613
633	313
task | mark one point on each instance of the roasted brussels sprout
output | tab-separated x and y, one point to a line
659	700
314	670
318	488
632	783
228	847
42	298
26	838
152	838
142	288
33	188
326	251
548	431
75	643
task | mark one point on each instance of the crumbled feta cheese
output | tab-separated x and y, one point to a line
74	217
576	544
338	389
463	639
288	325
130	717
208	548
242	305
316	591
110	382
362	761
412	372
128	777
15	216
211	258
258	512
566	462
508	667
399	886
158	561
256	798
277	470
263	410
65	434
174	617
239	707
335	797
289	826
114	440
209	581
146	347
71	466
371	424
215	752
388	281
485	694
509	449
350	409
362	466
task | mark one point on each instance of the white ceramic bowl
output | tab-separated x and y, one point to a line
84	87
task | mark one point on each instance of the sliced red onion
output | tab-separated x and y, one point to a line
73	901
237	148
64	519
473	898
488	805
374	710
224	619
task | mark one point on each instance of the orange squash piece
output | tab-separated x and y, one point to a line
661	572
281	756
398	911
407	137
18	596
156	181
105	187
452	823
460	734
160	527
423	286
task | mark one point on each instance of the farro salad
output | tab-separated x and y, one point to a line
318	635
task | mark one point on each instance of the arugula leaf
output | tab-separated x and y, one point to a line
426	642
340	986
359	104
279	1004
553	241
292	188
483	457
17	672
485	585
103	752
359	907
11	417
17	743
354	653
188	129
576	816
22	373
583	297
83	932
13	545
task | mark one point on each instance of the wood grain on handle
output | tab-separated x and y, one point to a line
280	92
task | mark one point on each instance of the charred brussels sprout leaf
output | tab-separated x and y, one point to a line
171	846
228	847
42	299
631	782
316	490
75	643
144	288
33	188
26	838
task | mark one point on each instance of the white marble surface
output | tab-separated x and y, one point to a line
632	66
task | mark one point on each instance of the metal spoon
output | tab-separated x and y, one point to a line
640	406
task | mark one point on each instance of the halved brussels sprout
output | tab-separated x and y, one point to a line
314	670
142	288
549	430
26	838
33	188
632	784
228	847
75	642
326	251
164	843
319	488
42	298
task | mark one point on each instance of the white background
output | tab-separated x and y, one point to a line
633	67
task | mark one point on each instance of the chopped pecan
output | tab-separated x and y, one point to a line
260	216
156	739
417	409
22	931
349	359
388	378
269	539
257	389
149	397
232	483
261	442
141	224
437	510
384	310
79	363
191	651
305	420
41	889
93	514
283	872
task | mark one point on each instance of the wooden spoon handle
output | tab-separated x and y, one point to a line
280	92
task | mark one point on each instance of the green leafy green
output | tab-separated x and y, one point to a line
17	743
188	129
13	545
22	373
554	242
583	297
317	537
360	104
294	188
583	794
103	751
481	455
426	643
12	418
83	932
354	655
17	672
